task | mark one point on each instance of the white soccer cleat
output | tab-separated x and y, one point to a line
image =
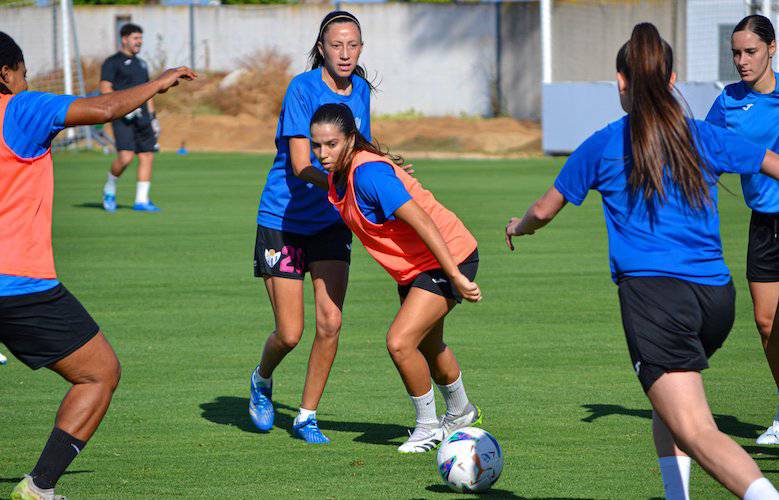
469	418
3	359
422	439
771	435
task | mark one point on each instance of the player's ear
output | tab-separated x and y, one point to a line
622	84
673	78
321	48
772	49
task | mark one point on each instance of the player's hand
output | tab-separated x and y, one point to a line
512	229
171	77
409	168
156	127
468	289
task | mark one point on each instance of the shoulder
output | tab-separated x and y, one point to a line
113	59
141	62
30	98
611	134
303	84
735	91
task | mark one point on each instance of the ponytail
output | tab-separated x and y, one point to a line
660	133
316	60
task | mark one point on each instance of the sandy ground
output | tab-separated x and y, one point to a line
431	137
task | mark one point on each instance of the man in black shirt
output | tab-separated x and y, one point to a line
137	132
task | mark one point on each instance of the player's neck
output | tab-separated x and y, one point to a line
766	83
127	52
338	85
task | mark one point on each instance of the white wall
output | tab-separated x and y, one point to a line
703	20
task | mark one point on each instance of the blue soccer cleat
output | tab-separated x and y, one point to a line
109	202
260	404
146	207
309	432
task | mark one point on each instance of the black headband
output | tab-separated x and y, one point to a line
337	15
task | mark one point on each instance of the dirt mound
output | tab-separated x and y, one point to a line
418	136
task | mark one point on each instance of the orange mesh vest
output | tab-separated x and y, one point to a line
26	196
394	244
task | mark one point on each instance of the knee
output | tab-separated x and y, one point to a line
289	337
115	375
689	437
398	347
764	323
328	324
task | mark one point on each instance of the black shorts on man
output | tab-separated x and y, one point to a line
763	248
672	324
288	255
436	281
44	327
135	134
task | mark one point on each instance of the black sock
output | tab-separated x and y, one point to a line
60	450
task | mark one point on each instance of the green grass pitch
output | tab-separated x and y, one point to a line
543	355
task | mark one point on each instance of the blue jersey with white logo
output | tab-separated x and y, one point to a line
754	116
32	120
669	238
287	202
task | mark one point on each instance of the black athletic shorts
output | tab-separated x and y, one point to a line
45	327
135	135
763	249
437	282
673	325
288	255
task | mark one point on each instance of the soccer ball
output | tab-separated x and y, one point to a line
470	460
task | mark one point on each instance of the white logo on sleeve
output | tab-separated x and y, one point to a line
746	108
272	257
358	122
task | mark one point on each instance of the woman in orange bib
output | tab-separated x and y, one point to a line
424	247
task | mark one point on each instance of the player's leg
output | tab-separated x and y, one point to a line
330	279
278	260
94	371
118	166
674	463
680	401
765	298
142	201
420	312
446	373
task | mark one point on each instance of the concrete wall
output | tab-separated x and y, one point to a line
703	35
573	111
438	59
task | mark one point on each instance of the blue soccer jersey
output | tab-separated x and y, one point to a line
669	239
32	120
287	202
754	116
378	191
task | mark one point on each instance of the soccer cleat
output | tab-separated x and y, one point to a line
422	439
771	435
26	490
469	418
109	202
260	403
309	432
146	207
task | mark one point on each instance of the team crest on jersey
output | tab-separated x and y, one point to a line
272	257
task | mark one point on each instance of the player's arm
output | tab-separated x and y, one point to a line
537	216
300	158
413	215
104	108
106	87
770	165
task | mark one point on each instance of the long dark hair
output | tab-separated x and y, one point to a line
316	60
10	55
660	133
759	25
342	117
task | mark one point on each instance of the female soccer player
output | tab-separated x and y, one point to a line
751	109
657	173
423	246
41	322
299	231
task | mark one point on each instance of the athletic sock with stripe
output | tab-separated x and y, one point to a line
59	452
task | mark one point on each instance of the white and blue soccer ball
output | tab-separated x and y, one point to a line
470	460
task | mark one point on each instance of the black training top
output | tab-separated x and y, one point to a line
124	71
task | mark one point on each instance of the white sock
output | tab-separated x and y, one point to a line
454	396
761	489
110	184
676	477
265	382
304	414
142	192
424	405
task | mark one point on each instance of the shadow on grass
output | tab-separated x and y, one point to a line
234	411
67	473
491	493
99	206
726	423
